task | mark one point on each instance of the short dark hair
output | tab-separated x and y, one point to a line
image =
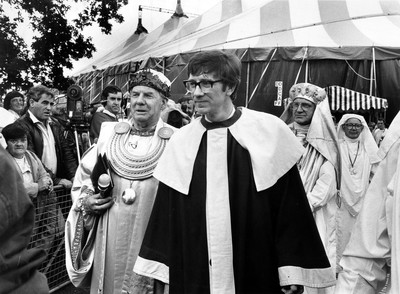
9	97
37	91
110	89
13	131
225	66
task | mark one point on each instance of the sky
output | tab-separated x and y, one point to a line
120	32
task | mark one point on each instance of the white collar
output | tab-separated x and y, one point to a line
230	115
34	118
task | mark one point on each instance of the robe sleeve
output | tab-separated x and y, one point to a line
79	242
153	256
300	252
324	188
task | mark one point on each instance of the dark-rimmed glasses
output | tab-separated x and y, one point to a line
353	126
204	85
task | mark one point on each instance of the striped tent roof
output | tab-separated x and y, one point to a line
346	99
288	23
329	28
122	52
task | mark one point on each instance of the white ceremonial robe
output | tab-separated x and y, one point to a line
108	267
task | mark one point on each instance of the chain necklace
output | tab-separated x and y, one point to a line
352	162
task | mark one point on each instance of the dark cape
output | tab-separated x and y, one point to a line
274	238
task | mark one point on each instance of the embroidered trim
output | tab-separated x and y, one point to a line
142	133
76	244
129	166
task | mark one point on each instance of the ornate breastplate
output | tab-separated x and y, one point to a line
128	165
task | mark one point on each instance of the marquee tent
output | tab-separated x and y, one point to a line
350	43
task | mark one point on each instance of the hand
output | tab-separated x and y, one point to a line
65	183
95	204
293	289
45	183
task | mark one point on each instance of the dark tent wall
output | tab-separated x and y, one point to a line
323	73
265	82
281	74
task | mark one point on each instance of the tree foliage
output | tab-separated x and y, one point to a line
56	40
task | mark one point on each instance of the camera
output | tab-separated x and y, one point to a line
76	107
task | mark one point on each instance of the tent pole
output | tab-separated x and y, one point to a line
371	77
306	73
247	84
374	64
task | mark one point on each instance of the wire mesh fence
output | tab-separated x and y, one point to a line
51	211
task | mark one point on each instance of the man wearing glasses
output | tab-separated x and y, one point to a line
309	117
358	152
111	99
231	215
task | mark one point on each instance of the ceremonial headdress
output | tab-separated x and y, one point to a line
152	79
307	91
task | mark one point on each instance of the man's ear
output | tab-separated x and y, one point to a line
31	101
164	103
230	90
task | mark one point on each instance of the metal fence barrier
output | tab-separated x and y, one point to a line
48	233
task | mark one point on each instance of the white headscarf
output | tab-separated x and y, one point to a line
365	137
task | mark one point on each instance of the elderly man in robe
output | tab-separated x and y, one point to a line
373	250
358	152
309	117
104	230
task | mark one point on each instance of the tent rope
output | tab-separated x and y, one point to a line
186	65
355	72
262	75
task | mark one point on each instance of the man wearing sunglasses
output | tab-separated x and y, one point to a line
231	215
111	99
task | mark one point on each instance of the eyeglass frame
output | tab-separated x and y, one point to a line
353	126
212	82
